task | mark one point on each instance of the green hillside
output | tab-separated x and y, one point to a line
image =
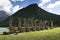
32	11
51	34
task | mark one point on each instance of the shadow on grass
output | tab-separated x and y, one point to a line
8	33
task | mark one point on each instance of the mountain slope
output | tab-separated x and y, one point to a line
32	11
3	15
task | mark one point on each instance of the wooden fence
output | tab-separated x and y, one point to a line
29	24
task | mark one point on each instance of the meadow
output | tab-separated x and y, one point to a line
50	34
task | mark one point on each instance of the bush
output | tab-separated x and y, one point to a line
5	33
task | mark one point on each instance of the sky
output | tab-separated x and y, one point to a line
12	6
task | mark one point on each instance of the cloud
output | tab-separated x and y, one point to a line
17	0
57	3
5	5
20	0
13	0
43	2
16	8
8	6
53	11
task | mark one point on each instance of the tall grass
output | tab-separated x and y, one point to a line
50	34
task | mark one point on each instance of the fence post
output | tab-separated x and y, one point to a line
19	25
11	27
32	24
37	24
51	25
42	25
46	24
26	25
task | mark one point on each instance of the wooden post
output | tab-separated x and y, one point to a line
51	25
28	24
32	24
25	25
19	25
10	21
41	24
28	20
11	27
37	25
46	24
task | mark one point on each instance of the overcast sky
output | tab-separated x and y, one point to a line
11	6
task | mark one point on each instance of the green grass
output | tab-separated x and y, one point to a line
51	34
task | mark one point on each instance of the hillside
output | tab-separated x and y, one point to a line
51	34
3	15
32	11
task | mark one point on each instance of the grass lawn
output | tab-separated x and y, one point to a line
50	34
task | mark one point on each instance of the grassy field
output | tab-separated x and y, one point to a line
51	34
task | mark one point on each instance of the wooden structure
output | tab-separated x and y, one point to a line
29	24
19	25
51	24
11	27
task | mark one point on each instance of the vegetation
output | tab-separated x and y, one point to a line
32	11
51	34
